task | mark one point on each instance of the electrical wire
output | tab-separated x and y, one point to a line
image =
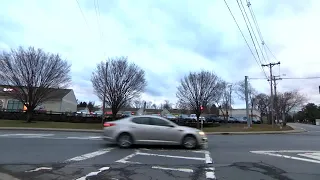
294	78
83	16
259	64
97	11
253	32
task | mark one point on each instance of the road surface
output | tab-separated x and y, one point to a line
43	155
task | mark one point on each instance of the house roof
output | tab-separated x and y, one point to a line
55	93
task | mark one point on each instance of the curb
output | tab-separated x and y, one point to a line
100	131
255	132
52	129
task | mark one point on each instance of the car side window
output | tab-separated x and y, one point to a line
141	120
158	122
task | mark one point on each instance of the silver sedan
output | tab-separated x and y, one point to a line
152	130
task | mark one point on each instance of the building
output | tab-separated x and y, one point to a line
240	113
64	101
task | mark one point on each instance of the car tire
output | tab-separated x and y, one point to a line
125	140
189	142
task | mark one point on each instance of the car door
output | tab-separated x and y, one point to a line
141	130
165	132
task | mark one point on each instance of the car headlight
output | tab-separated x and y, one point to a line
201	133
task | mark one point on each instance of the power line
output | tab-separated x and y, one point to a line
83	16
97	10
293	78
254	34
244	37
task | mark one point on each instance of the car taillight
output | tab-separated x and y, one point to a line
108	124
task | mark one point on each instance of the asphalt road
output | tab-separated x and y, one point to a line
43	155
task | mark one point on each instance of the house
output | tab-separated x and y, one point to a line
63	100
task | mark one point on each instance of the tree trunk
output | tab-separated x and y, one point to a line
29	116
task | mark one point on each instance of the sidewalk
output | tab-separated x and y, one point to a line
295	130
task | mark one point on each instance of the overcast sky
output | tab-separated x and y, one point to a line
168	39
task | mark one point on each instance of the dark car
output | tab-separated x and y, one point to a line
213	119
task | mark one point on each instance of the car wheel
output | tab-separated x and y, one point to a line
125	140
189	142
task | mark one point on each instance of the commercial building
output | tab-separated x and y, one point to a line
240	113
64	100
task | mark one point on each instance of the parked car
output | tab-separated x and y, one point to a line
233	120
83	113
126	114
256	120
194	117
213	119
97	113
148	129
170	117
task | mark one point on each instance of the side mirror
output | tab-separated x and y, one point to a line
171	126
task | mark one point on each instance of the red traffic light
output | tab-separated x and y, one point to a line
201	107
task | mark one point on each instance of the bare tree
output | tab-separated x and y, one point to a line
154	106
288	101
138	104
33	75
199	88
241	92
167	104
262	103
120	81
149	105
225	102
90	106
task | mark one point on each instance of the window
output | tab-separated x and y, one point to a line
14	105
141	120
158	122
1	104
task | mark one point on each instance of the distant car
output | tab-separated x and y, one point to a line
155	115
213	119
83	113
126	114
170	117
232	120
194	117
148	129
97	113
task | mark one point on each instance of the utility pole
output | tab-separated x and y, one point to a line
247	99
276	98
230	86
270	65
104	93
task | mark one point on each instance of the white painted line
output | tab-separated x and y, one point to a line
286	151
315	155
285	156
210	175
211	168
39	169
169	156
176	150
93	173
208	157
89	155
36	135
173	169
89	138
125	159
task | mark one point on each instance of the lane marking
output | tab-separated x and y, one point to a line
89	138
175	150
210	175
93	173
173	169
126	158
288	151
273	153
30	135
39	169
89	155
179	157
208	158
315	155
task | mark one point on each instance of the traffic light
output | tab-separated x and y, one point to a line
201	108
